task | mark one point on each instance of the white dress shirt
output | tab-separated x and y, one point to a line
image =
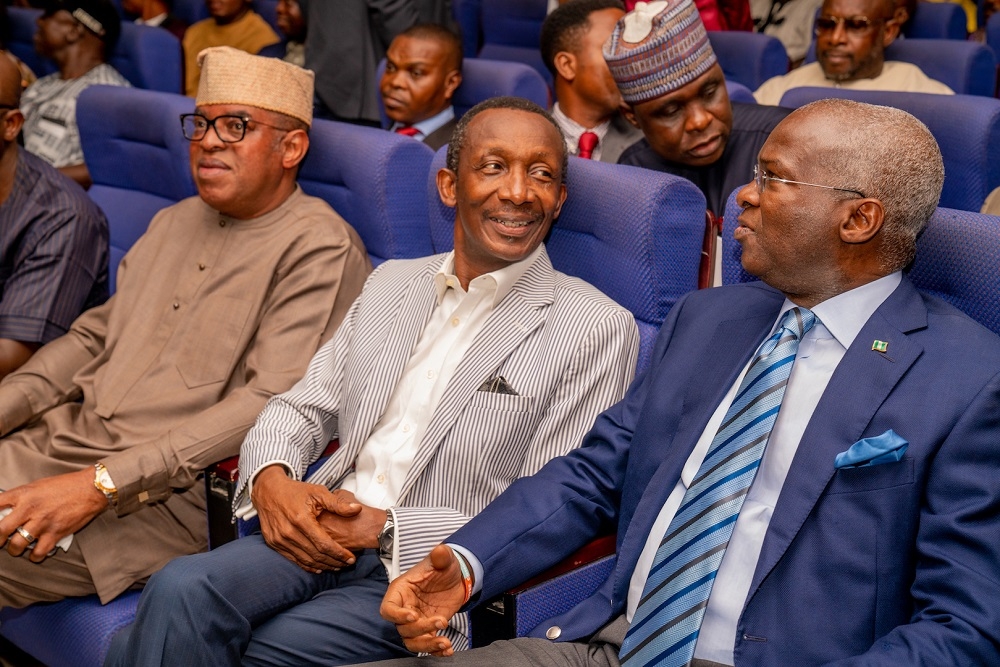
428	126
839	320
572	131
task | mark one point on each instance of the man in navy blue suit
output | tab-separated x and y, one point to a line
868	533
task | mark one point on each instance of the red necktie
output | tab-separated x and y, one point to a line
587	144
408	130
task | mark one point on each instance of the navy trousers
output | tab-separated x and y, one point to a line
244	603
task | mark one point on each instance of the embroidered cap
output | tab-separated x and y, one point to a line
98	16
657	48
231	76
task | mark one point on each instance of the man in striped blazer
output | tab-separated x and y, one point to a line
451	377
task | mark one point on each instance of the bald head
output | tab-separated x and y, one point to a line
888	155
10	83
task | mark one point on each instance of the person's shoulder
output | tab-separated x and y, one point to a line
571	291
952	324
640	154
770	92
757	117
315	218
54	191
106	74
911	78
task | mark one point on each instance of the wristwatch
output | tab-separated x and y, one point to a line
387	537
104	484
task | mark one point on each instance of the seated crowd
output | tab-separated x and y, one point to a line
801	476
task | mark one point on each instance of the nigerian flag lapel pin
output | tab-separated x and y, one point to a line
880	346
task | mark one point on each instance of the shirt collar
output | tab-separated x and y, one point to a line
572	129
428	125
844	315
501	280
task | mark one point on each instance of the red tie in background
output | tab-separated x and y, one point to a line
408	130
586	145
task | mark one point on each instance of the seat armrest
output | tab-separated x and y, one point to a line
552	593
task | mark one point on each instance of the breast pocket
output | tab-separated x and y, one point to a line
502	423
872	478
209	341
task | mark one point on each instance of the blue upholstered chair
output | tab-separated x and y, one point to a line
937	20
375	180
750	58
137	158
957	259
483	79
504	30
993	33
149	58
21	39
966	127
633	233
739	93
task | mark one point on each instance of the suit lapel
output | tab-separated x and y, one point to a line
520	313
861	383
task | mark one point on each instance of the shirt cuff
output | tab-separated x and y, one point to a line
477	567
244	507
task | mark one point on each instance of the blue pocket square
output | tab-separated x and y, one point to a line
886	448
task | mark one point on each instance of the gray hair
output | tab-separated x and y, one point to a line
891	156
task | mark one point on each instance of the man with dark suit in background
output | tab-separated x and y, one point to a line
423	68
451	377
806	475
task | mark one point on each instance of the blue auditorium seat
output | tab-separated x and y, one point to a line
967	129
504	30
137	158
937	20
750	58
957	259
739	93
21	41
633	233
483	79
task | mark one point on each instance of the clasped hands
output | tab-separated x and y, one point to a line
49	509
315	528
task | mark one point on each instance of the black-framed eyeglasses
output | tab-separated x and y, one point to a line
229	128
761	178
853	24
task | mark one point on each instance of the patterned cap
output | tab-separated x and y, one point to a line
231	76
98	16
657	48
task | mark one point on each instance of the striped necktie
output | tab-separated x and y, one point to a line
665	627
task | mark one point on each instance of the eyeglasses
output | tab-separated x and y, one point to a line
761	178
229	129
853	24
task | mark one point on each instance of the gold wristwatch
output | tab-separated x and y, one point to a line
103	483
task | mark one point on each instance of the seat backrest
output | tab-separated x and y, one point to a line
468	16
937	20
376	180
137	158
21	41
750	58
149	58
511	30
967	129
993	32
483	79
739	93
957	258
633	233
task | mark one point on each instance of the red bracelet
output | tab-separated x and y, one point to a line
466	575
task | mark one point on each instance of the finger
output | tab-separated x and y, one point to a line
44	546
442	557
435	645
17	544
304	550
422	626
340	503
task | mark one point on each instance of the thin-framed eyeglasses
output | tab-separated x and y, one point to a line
853	24
231	129
761	178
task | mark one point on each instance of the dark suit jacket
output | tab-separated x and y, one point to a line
442	135
897	563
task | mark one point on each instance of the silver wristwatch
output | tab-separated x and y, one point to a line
387	537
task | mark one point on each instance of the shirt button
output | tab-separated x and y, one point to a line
222	223
380	479
430	375
201	267
455	321
176	305
406	428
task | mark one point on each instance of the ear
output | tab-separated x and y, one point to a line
565	64
629	114
891	31
864	222
12	125
562	200
451	83
294	147
446	181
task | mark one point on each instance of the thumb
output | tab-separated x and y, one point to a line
442	557
340	504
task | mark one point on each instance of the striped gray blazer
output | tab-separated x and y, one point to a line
566	348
